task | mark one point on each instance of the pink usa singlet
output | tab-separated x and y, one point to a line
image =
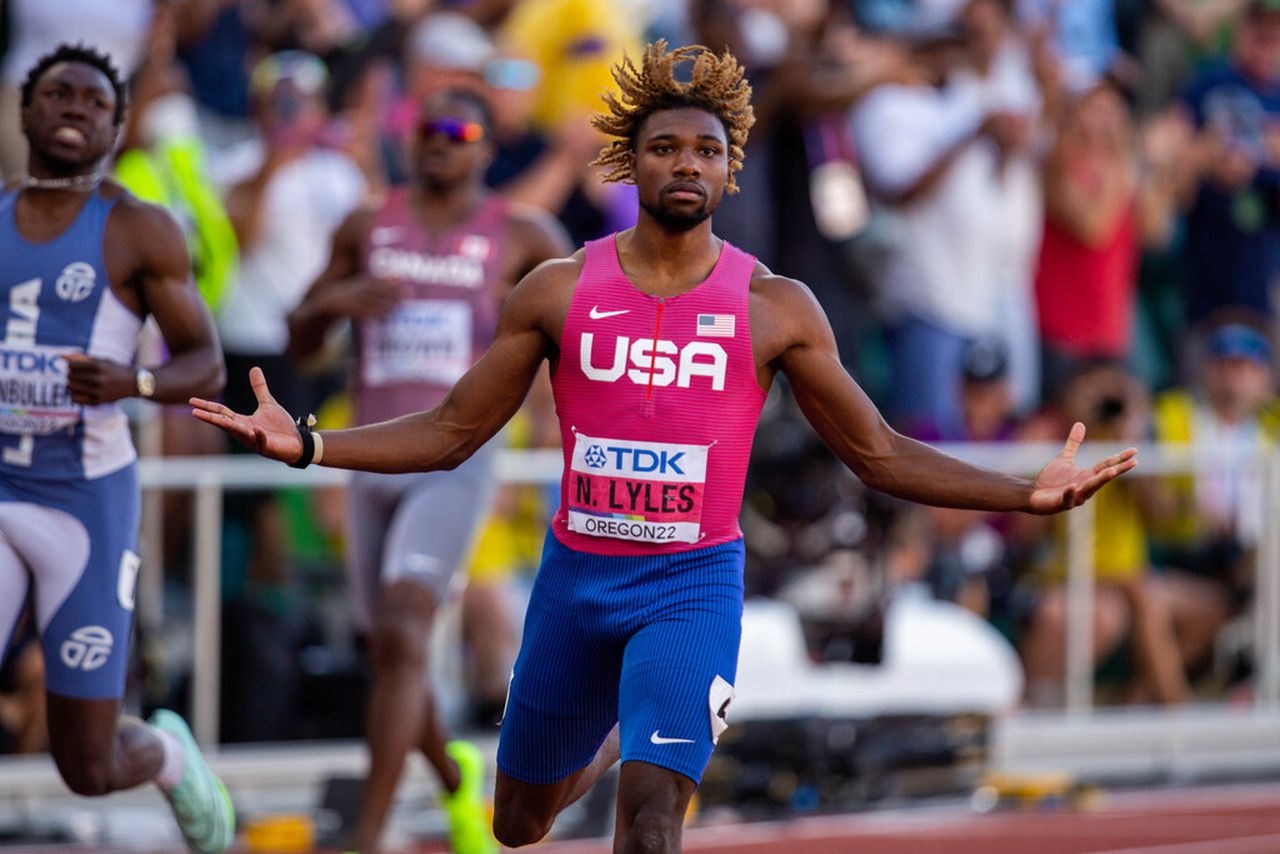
658	404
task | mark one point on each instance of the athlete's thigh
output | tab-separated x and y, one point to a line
79	540
436	523
679	667
563	697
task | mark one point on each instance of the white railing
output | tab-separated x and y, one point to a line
210	477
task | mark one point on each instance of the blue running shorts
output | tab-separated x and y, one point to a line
648	642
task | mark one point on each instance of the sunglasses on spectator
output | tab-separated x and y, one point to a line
455	129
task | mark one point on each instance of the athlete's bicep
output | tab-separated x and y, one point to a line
165	285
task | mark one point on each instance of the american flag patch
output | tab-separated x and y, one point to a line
716	325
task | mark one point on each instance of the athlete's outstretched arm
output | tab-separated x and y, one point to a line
481	402
884	459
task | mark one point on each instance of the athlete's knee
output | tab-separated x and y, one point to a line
653	828
522	815
400	642
515	828
402	625
90	779
400	635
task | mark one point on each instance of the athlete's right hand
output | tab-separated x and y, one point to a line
363	296
269	430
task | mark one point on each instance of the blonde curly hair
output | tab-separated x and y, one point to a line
717	84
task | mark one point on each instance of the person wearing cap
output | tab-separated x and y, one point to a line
289	190
1213	520
968	548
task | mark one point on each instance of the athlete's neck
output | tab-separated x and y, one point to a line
665	262
441	209
41	176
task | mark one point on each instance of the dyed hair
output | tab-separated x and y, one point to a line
81	53
717	84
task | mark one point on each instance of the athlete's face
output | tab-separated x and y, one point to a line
453	145
70	123
681	165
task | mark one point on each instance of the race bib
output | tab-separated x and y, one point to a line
650	492
34	398
421	341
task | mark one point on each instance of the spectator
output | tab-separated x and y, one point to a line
162	159
1100	209
1213	519
968	555
1175	39
819	204
1233	230
1083	35
1130	605
573	43
951	164
1003	71
549	169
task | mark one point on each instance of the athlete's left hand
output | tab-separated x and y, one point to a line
269	430
92	381
1061	485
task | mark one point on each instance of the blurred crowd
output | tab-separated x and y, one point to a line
1016	213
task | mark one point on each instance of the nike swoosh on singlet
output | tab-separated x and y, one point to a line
597	314
658	739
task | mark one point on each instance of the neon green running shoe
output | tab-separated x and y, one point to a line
470	828
200	802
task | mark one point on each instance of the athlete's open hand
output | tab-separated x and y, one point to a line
1061	485
269	430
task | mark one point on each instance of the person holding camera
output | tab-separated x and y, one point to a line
1132	615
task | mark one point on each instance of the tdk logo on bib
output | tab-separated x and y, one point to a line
633	460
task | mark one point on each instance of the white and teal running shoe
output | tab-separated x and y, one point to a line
200	802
